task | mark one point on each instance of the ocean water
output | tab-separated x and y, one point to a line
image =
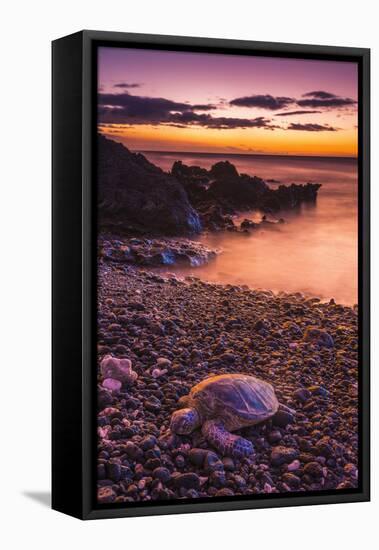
314	252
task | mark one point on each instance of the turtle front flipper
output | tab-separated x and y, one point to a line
225	442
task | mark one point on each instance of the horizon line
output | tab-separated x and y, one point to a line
244	154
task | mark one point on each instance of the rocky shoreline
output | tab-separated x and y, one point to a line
136	198
153	252
174	333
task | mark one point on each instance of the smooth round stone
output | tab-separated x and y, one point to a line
282	419
217	479
148	442
292	480
197	456
114	471
313	469
188	481
302	395
112	384
281	455
293	466
105	495
161	473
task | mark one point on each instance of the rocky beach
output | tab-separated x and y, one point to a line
160	334
175	333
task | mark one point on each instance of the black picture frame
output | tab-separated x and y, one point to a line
74	264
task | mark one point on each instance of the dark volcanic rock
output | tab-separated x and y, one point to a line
289	196
319	336
187	481
223	170
136	195
281	455
155	252
219	192
282	418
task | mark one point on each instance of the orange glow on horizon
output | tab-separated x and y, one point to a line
249	141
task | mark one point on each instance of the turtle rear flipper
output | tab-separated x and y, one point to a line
225	442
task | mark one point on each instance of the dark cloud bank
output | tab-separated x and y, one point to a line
311	127
316	99
125	108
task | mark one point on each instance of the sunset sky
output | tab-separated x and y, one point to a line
181	101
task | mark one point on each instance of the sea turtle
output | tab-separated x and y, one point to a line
222	404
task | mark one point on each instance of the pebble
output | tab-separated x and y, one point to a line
188	480
281	455
114	471
112	384
282	418
105	495
293	466
319	337
292	480
164	363
274	437
148	442
197	457
163	474
302	395
313	469
152	404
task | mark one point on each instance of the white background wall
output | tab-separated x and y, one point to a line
26	31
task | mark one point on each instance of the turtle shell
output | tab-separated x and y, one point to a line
237	399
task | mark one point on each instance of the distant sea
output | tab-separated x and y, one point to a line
315	251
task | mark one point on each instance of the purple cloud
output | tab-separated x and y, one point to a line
308	127
127	85
263	102
291	113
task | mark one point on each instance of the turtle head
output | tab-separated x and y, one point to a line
185	421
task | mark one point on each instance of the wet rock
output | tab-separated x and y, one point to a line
281	455
157	373
188	480
292	481
148	442
229	464
319	337
212	462
302	395
313	469
282	418
133	189
318	390
105	495
104	398
112	385
324	448
152	404
114	471
197	457
118	369
261	324
163	363
163	474
152	463
294	466
274	437
217	479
